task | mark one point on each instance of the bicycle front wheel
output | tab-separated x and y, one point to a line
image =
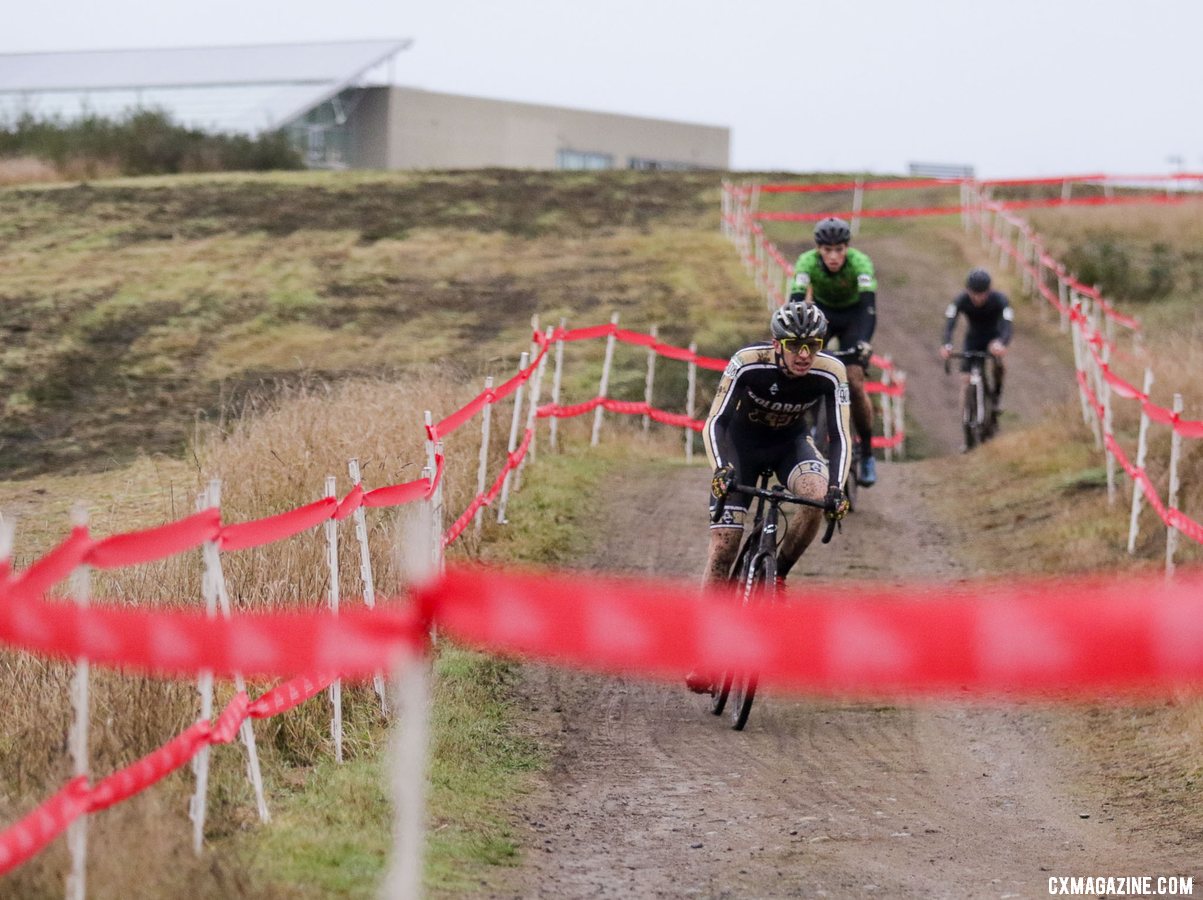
758	588
971	418
739	579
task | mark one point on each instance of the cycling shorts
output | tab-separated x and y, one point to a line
852	324
751	457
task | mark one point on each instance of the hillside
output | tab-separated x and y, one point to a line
133	308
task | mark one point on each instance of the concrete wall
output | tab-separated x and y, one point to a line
427	130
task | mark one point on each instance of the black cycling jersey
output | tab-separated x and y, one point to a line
989	322
758	414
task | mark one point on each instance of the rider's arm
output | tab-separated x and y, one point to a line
869	300
800	288
950	322
718	420
839	428
866	278
1005	320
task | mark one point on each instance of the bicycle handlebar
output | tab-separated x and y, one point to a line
779	495
968	354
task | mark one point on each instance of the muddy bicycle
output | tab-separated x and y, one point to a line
754	574
979	404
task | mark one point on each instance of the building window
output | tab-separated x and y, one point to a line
579	159
640	162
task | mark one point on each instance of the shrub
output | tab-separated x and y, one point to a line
141	142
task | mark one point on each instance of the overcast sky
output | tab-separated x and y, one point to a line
1014	87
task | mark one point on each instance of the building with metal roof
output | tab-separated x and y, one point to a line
337	101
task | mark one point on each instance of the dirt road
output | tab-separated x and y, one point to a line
650	796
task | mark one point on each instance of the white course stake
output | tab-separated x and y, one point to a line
1063	296
1171	534
336	686
650	380
7	531
410	741
534	329
555	388
887	411
900	412
1142	449
1107	426
482	468
605	382
365	572
691	398
438	510
1080	362
433	451
858	201
77	831
204	686
532	418
515	419
246	731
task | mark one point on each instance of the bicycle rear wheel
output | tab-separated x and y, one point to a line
759	588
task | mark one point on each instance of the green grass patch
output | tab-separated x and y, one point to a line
331	826
331	830
550	521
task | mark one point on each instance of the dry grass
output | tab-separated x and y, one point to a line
27	170
275	457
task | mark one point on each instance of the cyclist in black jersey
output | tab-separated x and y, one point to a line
990	318
757	422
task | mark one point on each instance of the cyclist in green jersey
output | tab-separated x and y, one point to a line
840	281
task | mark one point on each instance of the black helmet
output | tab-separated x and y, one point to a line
832	231
978	281
799	320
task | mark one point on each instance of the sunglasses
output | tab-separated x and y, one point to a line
797	345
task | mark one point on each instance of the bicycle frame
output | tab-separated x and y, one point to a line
977	408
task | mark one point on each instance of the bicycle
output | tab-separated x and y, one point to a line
755	572
979	410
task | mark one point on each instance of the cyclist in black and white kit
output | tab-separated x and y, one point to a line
757	422
990	318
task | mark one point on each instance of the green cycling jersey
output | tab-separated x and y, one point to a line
834	289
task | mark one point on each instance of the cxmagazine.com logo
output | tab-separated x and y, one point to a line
1127	886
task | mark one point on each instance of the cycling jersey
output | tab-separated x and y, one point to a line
758	420
833	290
988	322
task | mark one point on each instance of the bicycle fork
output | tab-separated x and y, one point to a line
978	415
